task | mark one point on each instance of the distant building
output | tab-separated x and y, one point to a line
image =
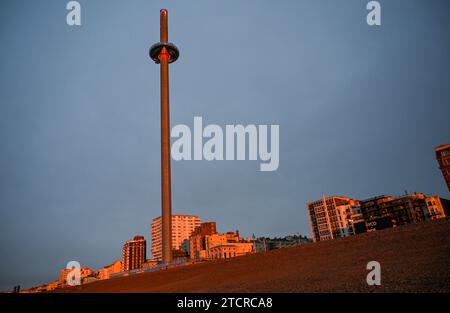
149	264
206	243
182	227
52	286
443	158
231	250
134	253
263	244
336	217
400	210
197	242
107	271
437	207
185	246
90	279
216	239
179	254
84	272
330	217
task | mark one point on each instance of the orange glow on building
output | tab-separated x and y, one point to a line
107	271
134	253
437	207
231	250
206	243
337	217
182	227
443	158
330	217
84	273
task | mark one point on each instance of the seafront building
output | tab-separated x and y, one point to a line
336	217
182	227
107	271
443	158
63	275
263	244
205	243
134	253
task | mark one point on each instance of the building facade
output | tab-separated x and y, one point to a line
437	207
84	272
401	210
264	244
443	158
331	217
206	243
149	264
231	250
336	217
134	253
182	227
197	240
107	271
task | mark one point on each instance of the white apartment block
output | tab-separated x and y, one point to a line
182	227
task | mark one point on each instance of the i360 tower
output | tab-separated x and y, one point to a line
164	53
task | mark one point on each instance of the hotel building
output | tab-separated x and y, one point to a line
134	253
182	227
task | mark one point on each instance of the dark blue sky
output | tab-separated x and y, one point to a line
360	111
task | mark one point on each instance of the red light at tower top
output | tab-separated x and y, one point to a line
158	48
164	53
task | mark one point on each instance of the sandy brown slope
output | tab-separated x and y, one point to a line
413	258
